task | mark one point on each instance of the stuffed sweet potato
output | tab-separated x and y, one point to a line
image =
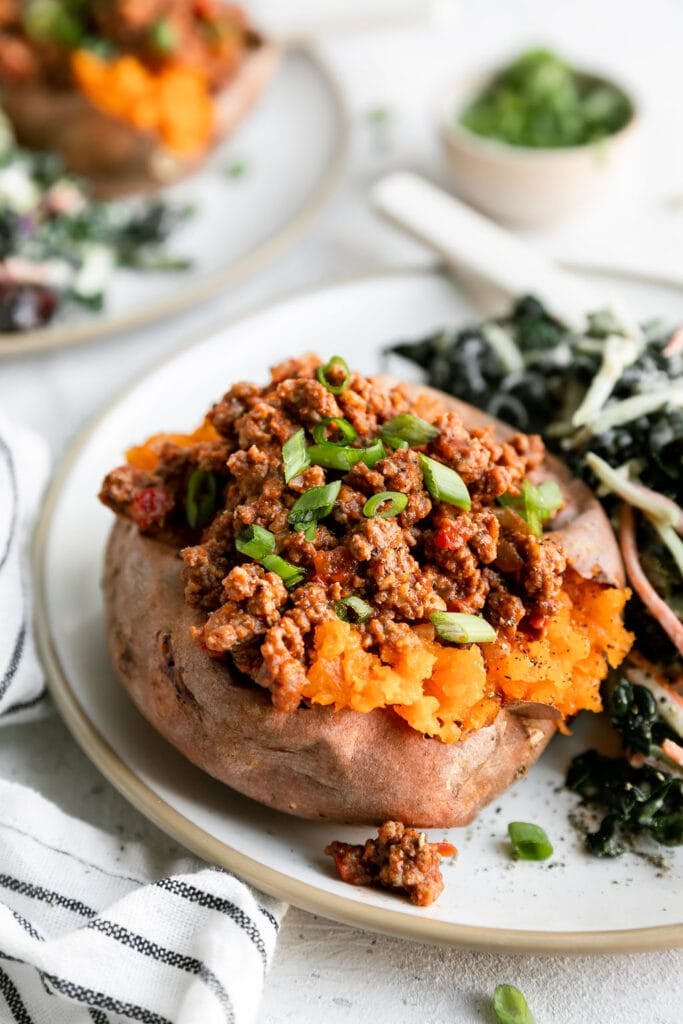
132	95
365	620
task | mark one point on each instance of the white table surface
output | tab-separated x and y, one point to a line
325	971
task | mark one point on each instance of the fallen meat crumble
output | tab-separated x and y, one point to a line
399	858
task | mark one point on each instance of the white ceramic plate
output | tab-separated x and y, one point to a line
571	902
292	147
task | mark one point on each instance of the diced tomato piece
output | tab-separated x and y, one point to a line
446	849
151	506
447	537
673	750
335	566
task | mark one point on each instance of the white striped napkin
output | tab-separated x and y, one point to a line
92	931
88	935
24	466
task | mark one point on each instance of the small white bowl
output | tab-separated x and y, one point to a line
524	186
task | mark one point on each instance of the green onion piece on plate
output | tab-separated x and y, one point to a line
314	504
323	373
510	1006
200	501
444	483
394	501
48	21
352	609
529	842
535	504
290	574
310	532
461	628
256	542
410	429
346	429
295	456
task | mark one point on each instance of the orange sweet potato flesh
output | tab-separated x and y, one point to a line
115	156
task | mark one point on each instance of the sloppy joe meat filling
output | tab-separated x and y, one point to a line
205	493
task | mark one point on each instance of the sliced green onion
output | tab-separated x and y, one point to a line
461	628
323	371
334	456
290	574
345	428
444	484
314	504
393	441
396	503
535	504
373	453
410	428
510	1006
343	458
200	501
310	532
352	609
529	842
256	542
47	21
295	456
163	36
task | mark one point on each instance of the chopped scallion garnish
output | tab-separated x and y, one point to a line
353	609
256	542
409	428
314	504
529	842
510	1006
344	458
200	501
444	484
346	429
290	574
461	628
385	505
323	373
295	456
535	504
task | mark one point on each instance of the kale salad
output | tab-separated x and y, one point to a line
609	402
59	247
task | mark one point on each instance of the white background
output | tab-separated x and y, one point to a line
324	971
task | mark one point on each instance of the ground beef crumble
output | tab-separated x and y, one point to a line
399	858
432	556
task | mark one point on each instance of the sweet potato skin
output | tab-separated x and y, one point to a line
117	158
314	763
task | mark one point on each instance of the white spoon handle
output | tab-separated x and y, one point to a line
308	20
468	240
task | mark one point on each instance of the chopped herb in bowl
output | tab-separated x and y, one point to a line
540	102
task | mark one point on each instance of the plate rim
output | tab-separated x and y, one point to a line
64	336
390	921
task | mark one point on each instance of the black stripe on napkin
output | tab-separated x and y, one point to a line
13	999
14	660
4	448
97	1017
207	899
98	1000
37	892
163	955
25	704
